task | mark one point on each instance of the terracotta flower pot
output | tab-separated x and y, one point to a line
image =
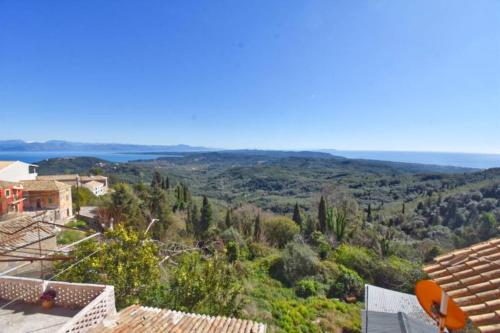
47	303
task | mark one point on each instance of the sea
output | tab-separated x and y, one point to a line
475	161
37	156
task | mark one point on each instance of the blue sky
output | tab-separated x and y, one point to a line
370	75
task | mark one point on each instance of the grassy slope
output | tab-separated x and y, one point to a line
267	300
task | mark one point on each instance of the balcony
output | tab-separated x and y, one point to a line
78	307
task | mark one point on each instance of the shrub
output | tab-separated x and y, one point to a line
280	230
258	250
208	286
232	235
399	274
348	284
297	262
232	251
359	259
307	287
319	241
329	271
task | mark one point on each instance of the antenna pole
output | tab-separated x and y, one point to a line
443	311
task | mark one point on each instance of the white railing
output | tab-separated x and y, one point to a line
96	301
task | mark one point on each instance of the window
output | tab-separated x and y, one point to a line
7	193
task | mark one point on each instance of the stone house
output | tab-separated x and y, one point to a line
53	195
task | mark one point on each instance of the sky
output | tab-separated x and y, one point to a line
418	75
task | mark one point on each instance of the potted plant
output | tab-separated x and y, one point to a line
47	298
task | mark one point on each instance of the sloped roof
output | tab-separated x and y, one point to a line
379	299
383	322
4	183
93	184
89	178
43	185
58	177
138	318
20	232
4	164
471	276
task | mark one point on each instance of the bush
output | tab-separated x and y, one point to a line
348	284
258	250
297	262
319	241
280	230
329	271
398	274
307	287
232	235
359	259
232	251
207	286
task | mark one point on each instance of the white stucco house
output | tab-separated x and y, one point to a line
15	171
96	187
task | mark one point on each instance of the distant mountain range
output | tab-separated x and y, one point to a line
58	145
476	161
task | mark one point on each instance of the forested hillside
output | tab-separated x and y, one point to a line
284	238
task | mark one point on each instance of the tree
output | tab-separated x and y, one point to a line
167	183
160	210
369	213
296	215
257	230
209	286
280	230
311	226
126	260
322	215
340	223
193	219
157	180
206	217
124	207
297	262
487	227
228	220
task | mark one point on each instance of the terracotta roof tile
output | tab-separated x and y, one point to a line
43	185
138	318
22	231
471	276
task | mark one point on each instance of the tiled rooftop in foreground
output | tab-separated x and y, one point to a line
138	318
471	276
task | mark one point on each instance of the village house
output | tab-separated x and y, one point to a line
11	198
51	195
98	184
97	188
15	171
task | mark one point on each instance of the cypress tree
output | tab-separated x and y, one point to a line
206	216
322	215
296	215
167	183
228	221
369	213
257	230
157	180
193	220
310	226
